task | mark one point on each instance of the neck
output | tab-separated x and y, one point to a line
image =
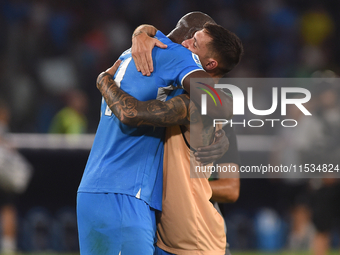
175	36
216	78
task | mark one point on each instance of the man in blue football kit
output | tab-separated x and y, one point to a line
122	183
154	112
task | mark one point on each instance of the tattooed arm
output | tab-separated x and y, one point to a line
176	111
133	112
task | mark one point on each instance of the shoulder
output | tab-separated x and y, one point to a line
162	37
178	55
172	47
125	54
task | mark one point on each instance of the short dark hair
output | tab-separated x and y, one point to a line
225	46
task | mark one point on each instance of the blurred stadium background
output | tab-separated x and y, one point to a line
51	53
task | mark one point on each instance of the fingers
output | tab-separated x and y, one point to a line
208	153
220	143
142	59
216	146
136	59
144	66
113	69
141	63
208	160
208	157
219	134
141	51
149	62
214	151
160	44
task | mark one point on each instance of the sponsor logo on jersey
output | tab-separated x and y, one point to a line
197	60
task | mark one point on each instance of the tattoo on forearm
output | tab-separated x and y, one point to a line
137	33
133	112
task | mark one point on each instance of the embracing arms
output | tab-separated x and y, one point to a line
133	112
175	111
142	45
226	189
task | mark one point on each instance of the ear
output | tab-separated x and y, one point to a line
211	64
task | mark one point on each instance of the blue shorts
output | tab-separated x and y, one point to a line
115	224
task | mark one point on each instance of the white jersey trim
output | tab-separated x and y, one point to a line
198	69
163	92
138	193
121	71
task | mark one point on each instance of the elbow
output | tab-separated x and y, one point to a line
128	122
235	194
230	196
124	120
234	197
99	80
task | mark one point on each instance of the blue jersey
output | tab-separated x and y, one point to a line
129	160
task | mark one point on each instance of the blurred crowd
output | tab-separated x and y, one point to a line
52	51
49	48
